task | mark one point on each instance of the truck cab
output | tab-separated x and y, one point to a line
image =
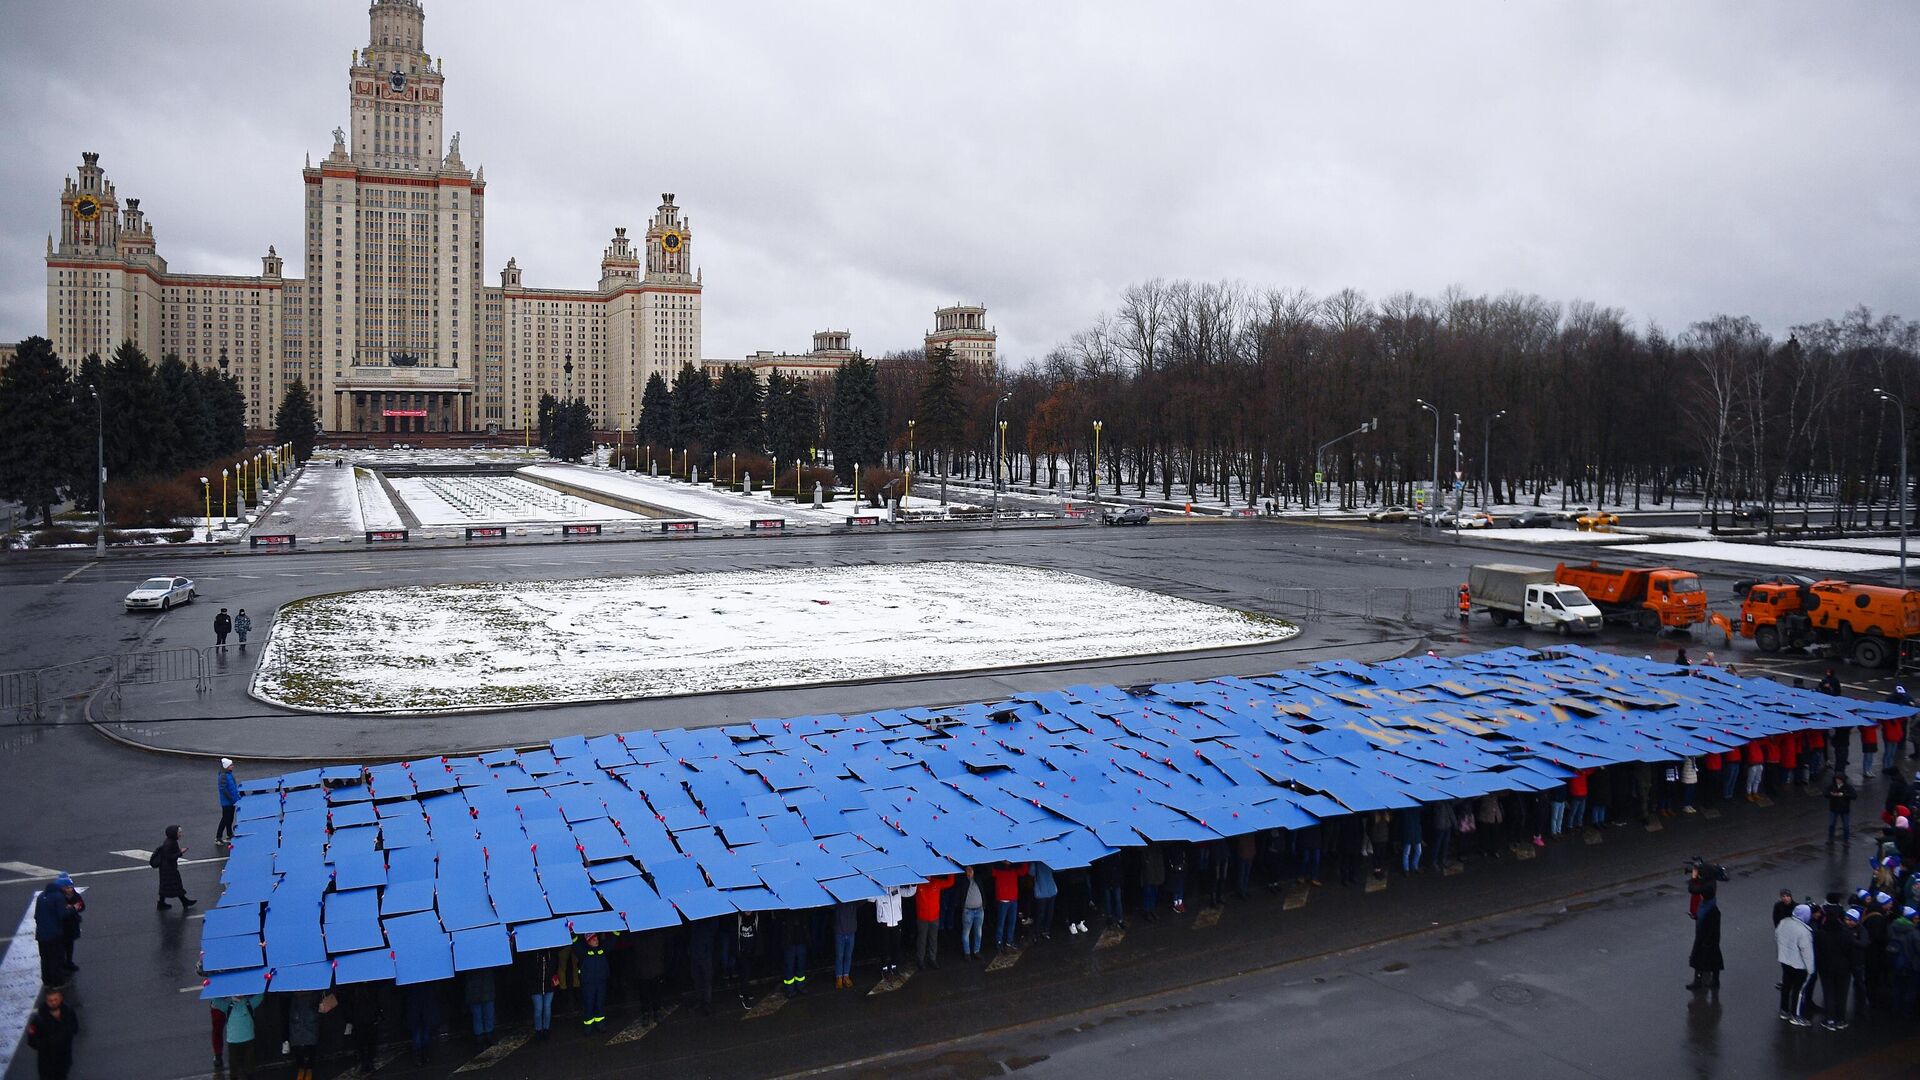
1677	597
1868	624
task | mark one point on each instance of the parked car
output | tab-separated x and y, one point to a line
160	594
1598	519
1755	514
1532	519
1441	519
1740	587
1391	513
1132	515
1574	514
1475	519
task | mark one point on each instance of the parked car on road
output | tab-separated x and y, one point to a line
1532	519
1475	519
1741	587
1132	515
1574	514
160	594
1390	513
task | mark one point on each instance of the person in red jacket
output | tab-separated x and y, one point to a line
1790	758
1006	895
1577	799
1869	746
1756	755
926	913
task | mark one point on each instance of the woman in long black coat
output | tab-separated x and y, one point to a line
166	859
1705	960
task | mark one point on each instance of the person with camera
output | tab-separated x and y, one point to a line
1840	796
1703	889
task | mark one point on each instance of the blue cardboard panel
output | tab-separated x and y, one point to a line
352	921
567	888
701	904
403	897
318	976
231	921
638	904
235	984
544	934
422	952
481	947
360	871
231	954
374	965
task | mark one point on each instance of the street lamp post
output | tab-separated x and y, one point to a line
100	471
1486	461
1433	502
999	429
907	494
1093	469
1902	407
206	491
223	498
1320	456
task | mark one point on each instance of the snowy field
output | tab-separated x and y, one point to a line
1553	536
462	456
443	647
1890	544
1784	558
685	500
375	508
493	500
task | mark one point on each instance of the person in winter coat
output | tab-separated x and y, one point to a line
1487	821
1793	947
594	971
888	911
222	626
240	1011
50	1034
1689	784
1110	874
366	1010
1834	955
794	926
1006	897
242	626
1413	837
166	859
650	973
480	992
1705	959
1176	855
1153	874
303	1032
1840	796
1903	961
50	910
703	937
543	978
1045	892
926	913
973	913
229	798
423	1018
846	920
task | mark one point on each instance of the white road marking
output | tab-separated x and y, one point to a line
638	1030
134	853
491	1056
19	987
71	574
28	870
94	873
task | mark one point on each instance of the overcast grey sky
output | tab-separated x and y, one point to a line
857	164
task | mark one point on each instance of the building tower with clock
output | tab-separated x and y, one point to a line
392	325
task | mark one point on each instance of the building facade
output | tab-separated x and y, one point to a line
393	326
831	349
963	328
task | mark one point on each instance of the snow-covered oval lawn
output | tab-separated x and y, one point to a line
443	647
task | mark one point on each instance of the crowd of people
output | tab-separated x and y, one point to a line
1870	936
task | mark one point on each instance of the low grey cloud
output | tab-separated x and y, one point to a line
856	164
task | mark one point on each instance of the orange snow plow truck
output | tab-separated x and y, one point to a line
1868	624
1644	599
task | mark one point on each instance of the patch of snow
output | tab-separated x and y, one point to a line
1784	558
687	500
1862	543
496	645
488	500
375	508
1554	536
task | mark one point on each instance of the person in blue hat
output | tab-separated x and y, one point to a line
56	912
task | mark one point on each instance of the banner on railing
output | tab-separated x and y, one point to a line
270	540
679	526
386	536
767	524
580	530
486	532
862	520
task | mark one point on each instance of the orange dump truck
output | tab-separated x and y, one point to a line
1645	599
1868	624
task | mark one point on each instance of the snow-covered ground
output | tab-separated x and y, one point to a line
501	645
492	500
463	456
1554	536
1862	543
1785	558
375	509
686	500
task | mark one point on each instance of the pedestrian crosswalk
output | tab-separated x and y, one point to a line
491	1056
640	1028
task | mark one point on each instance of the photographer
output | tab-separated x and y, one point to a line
1704	906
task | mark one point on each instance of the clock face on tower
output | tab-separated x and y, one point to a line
86	208
398	81
670	242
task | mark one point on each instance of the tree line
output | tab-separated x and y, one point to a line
151	420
